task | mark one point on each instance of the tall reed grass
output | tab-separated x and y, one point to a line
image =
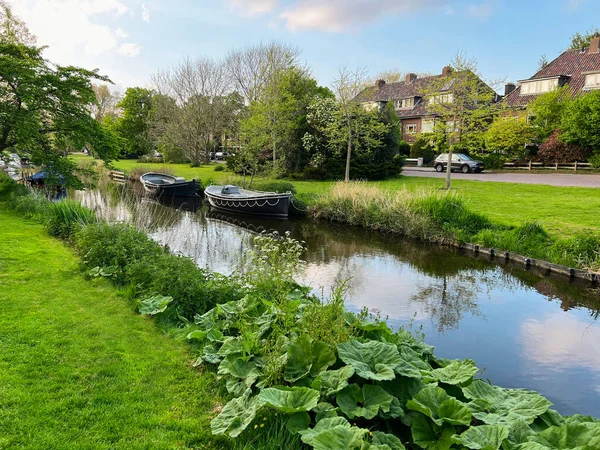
135	173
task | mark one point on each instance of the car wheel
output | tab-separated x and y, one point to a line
465	169
439	168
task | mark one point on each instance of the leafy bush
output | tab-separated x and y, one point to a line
32	205
556	151
9	187
104	245
422	149
219	168
594	161
63	218
404	148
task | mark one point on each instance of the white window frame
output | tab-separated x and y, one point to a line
410	128
596	81
427	125
536	87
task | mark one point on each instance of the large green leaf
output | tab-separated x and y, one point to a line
298	421
332	434
430	436
411	365
436	404
380	438
572	436
333	381
236	415
457	372
365	402
484	437
403	388
238	367
307	357
497	406
289	399
155	304
371	360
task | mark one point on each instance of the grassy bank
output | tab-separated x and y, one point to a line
78	367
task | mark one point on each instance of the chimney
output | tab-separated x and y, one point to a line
595	43
410	77
508	88
379	84
446	71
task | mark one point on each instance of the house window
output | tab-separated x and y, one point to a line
405	103
538	87
442	98
410	128
427	126
592	81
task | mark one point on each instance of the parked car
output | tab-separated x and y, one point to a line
219	155
460	161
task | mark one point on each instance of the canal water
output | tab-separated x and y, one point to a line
523	329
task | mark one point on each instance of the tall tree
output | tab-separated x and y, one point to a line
106	102
546	111
204	107
134	123
12	29
507	138
580	122
347	85
582	40
253	68
542	62
44	104
461	100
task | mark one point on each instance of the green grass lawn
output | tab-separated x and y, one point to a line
561	210
79	368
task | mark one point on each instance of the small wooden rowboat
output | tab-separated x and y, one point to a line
162	185
237	200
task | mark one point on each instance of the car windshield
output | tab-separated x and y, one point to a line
464	157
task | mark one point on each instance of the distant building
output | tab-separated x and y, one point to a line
409	101
577	68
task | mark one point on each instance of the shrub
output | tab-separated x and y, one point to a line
219	168
104	245
31	205
509	137
556	151
594	161
63	218
422	149
9	187
404	148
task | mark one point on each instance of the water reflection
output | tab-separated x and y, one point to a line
525	330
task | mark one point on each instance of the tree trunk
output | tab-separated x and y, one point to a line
449	167
348	155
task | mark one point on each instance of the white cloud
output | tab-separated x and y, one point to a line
120	34
480	11
341	15
145	13
253	7
129	49
73	27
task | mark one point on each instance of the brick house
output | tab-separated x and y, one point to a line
409	101
577	68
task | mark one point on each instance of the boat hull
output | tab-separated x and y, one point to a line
273	205
155	185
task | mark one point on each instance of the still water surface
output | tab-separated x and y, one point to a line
525	330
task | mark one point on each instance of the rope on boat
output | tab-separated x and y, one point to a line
244	203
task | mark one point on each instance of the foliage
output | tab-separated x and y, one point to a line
508	138
554	150
44	104
64	218
582	40
594	161
581	121
13	29
546	110
404	148
134	124
422	149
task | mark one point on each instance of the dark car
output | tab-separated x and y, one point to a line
460	162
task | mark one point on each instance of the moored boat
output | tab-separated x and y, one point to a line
244	201
163	185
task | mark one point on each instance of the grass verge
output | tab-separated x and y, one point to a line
79	368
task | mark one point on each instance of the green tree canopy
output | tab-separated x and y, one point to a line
44	104
507	137
546	111
582	40
581	121
134	123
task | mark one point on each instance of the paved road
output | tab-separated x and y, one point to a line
552	179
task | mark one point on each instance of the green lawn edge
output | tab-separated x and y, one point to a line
79	368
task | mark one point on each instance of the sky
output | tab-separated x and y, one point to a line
129	40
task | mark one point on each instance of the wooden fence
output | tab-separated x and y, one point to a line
117	176
531	165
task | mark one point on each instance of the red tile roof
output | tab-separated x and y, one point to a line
572	63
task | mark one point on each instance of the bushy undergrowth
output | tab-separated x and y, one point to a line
444	217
